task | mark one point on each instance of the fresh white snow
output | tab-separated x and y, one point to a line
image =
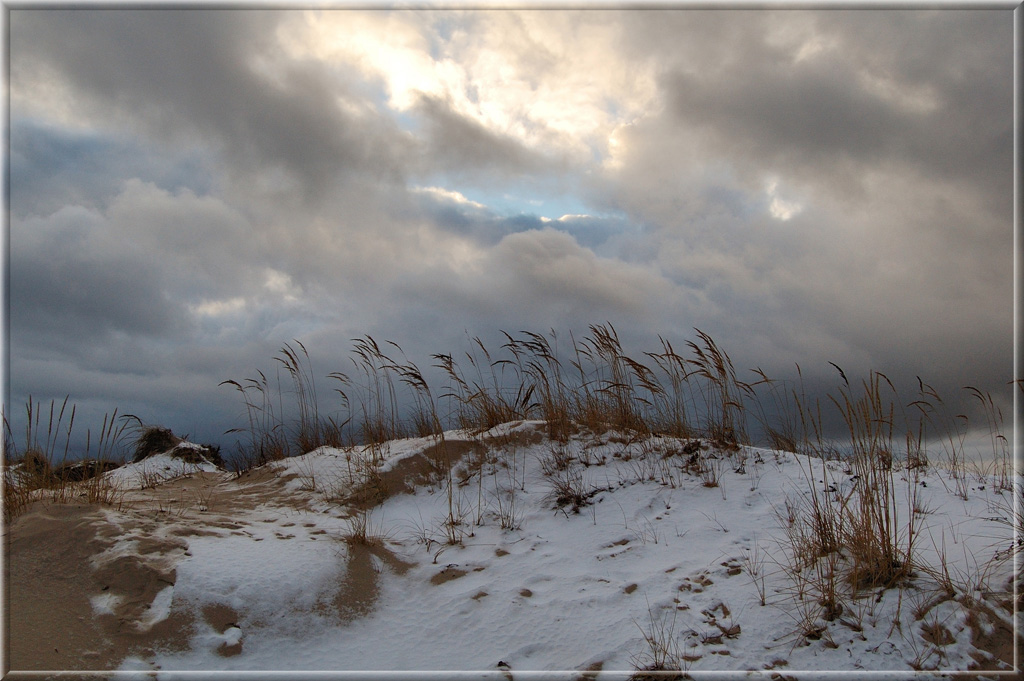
655	552
158	468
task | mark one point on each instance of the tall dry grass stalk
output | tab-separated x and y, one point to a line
591	383
663	656
950	429
881	543
267	439
311	430
545	374
378	394
483	399
1001	459
845	540
43	470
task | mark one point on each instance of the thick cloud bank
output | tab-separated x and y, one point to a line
191	189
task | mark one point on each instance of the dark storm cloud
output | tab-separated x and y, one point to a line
456	143
188	195
892	133
927	91
800	117
51	167
478	223
80	275
62	293
182	73
966	58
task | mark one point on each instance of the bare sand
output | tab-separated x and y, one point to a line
51	624
58	555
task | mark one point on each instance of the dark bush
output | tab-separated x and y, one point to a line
35	462
200	454
154	440
83	470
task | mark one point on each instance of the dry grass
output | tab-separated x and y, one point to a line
662	657
509	479
38	474
880	542
863	524
267	440
841	543
17	495
153	440
361	530
591	384
753	564
844	545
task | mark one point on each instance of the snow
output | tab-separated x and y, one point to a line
159	610
157	469
104	603
657	550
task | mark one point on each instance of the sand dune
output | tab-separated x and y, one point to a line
305	564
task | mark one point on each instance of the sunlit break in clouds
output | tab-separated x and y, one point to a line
191	189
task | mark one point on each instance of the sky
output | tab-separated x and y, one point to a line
191	189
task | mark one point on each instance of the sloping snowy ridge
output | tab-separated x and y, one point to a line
507	553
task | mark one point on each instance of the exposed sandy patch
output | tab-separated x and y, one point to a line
360	589
426	466
590	672
220	616
50	621
218	494
52	624
89	586
999	642
447	575
412	471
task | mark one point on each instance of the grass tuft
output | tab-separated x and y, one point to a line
38	474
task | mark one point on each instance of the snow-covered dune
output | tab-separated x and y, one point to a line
605	554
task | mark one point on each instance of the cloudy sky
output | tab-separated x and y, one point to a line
191	189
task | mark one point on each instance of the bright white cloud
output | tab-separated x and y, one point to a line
909	97
779	208
783	210
219	308
39	92
551	81
280	284
568	217
810	48
448	195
